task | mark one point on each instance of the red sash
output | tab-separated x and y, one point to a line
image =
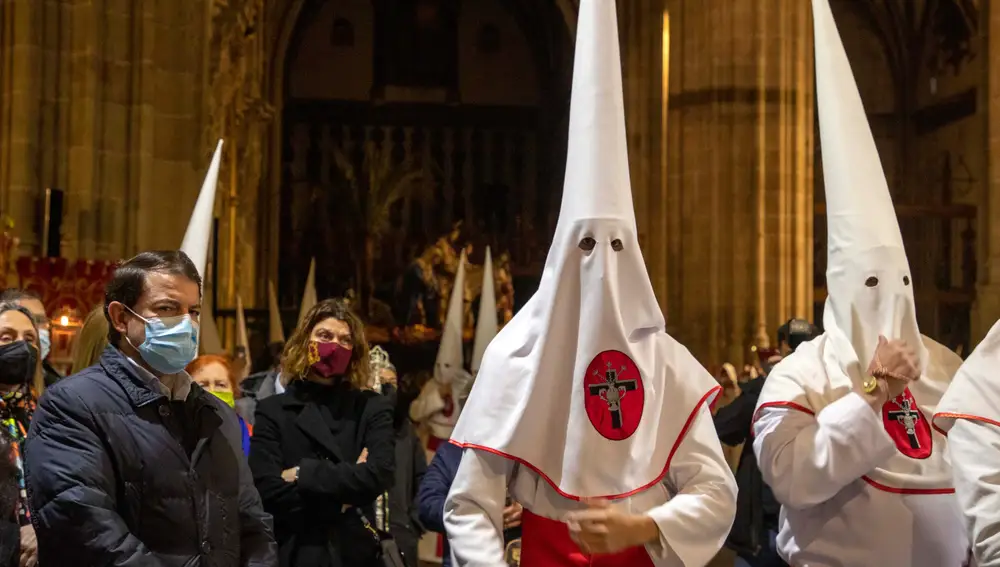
546	543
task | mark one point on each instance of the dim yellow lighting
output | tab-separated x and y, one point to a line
64	321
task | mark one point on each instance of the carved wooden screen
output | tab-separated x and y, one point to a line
485	170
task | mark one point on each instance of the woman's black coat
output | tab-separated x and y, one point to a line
323	430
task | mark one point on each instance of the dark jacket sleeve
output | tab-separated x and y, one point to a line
280	498
435	486
257	544
71	487
351	483
733	422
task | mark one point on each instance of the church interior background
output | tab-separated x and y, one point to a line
380	137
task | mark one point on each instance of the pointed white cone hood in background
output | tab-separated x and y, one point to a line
199	229
242	337
309	293
449	356
864	240
276	331
486	324
594	324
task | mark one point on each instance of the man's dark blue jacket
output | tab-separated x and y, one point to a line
434	490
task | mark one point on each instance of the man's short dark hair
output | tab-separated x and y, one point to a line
16	295
129	280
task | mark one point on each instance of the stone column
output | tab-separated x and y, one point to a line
986	309
641	27
100	100
738	198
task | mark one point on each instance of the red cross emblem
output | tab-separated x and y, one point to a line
907	426
614	395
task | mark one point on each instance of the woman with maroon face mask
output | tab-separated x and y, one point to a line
323	451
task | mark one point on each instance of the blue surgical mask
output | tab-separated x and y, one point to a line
171	342
45	340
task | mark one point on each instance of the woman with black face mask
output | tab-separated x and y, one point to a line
323	451
19	362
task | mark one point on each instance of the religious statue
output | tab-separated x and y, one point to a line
505	289
447	269
421	290
8	249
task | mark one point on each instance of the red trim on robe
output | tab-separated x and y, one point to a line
666	467
924	491
968	416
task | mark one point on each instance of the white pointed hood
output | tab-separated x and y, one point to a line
276	331
975	392
242	337
199	229
868	275
583	385
486	324
450	363
309	293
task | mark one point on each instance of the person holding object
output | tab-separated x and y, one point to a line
584	407
841	430
323	451
969	414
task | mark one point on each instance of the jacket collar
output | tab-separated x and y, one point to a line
138	383
311	420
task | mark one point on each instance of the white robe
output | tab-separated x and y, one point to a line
693	507
820	463
974	447
969	413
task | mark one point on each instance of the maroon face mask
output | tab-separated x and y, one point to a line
328	359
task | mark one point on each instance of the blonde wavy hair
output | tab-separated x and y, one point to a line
295	358
90	341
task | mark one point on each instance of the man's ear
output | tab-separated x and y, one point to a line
116	312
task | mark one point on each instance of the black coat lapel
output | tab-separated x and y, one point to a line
311	422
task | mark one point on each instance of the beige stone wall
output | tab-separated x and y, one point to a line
739	172
102	99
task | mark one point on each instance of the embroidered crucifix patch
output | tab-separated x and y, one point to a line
614	395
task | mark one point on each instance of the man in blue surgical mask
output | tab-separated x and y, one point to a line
135	451
30	301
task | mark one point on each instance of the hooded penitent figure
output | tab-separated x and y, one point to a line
862	480
584	405
437	405
969	414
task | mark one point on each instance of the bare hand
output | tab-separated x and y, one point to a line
289	475
363	458
512	516
29	547
601	529
895	365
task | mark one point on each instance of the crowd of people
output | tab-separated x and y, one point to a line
584	434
